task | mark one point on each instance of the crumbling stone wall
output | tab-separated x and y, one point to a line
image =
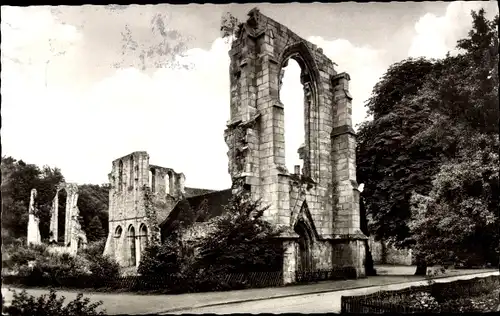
33	222
255	137
140	197
385	253
74	236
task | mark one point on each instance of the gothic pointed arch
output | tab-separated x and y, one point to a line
304	216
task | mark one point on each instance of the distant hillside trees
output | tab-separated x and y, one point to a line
18	178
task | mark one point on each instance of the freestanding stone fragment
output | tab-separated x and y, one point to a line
33	222
54	219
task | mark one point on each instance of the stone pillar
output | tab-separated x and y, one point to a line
289	261
182	180
347	221
344	160
33	222
54	219
71	201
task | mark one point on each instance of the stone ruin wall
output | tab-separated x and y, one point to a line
384	253
255	137
140	195
74	236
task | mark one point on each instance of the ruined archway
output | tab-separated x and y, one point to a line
305	244
301	55
291	95
255	137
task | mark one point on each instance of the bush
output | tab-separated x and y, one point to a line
38	267
49	305
94	248
18	255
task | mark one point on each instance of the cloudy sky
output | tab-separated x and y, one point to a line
77	95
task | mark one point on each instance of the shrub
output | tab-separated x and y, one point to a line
39	267
94	248
19	255
49	305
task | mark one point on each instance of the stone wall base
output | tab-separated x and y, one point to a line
326	255
350	253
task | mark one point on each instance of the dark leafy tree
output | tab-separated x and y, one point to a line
93	201
425	115
240	240
18	178
95	230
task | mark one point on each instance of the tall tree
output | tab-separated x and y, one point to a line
425	113
95	231
460	212
18	178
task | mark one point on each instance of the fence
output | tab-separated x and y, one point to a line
164	283
338	273
400	301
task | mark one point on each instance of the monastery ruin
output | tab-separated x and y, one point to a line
318	203
74	236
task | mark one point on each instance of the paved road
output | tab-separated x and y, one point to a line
132	303
313	303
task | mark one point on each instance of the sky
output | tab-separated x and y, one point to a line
76	93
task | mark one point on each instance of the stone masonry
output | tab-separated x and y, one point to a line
74	236
33	222
320	203
140	198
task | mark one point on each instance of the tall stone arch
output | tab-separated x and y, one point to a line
73	232
255	134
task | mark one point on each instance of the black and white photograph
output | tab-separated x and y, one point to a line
223	158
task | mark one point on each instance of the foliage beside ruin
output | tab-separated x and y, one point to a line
18	178
239	240
429	157
35	262
230	27
24	304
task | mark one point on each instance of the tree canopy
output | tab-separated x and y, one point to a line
429	156
18	178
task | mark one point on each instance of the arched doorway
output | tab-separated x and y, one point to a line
304	255
131	244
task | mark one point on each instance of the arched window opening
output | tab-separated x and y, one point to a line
131	172
136	175
152	179
167	184
131	243
118	232
143	237
292	93
172	183
120	175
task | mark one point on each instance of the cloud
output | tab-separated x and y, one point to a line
364	64
178	116
436	35
33	34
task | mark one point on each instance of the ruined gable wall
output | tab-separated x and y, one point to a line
255	134
141	196
255	137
